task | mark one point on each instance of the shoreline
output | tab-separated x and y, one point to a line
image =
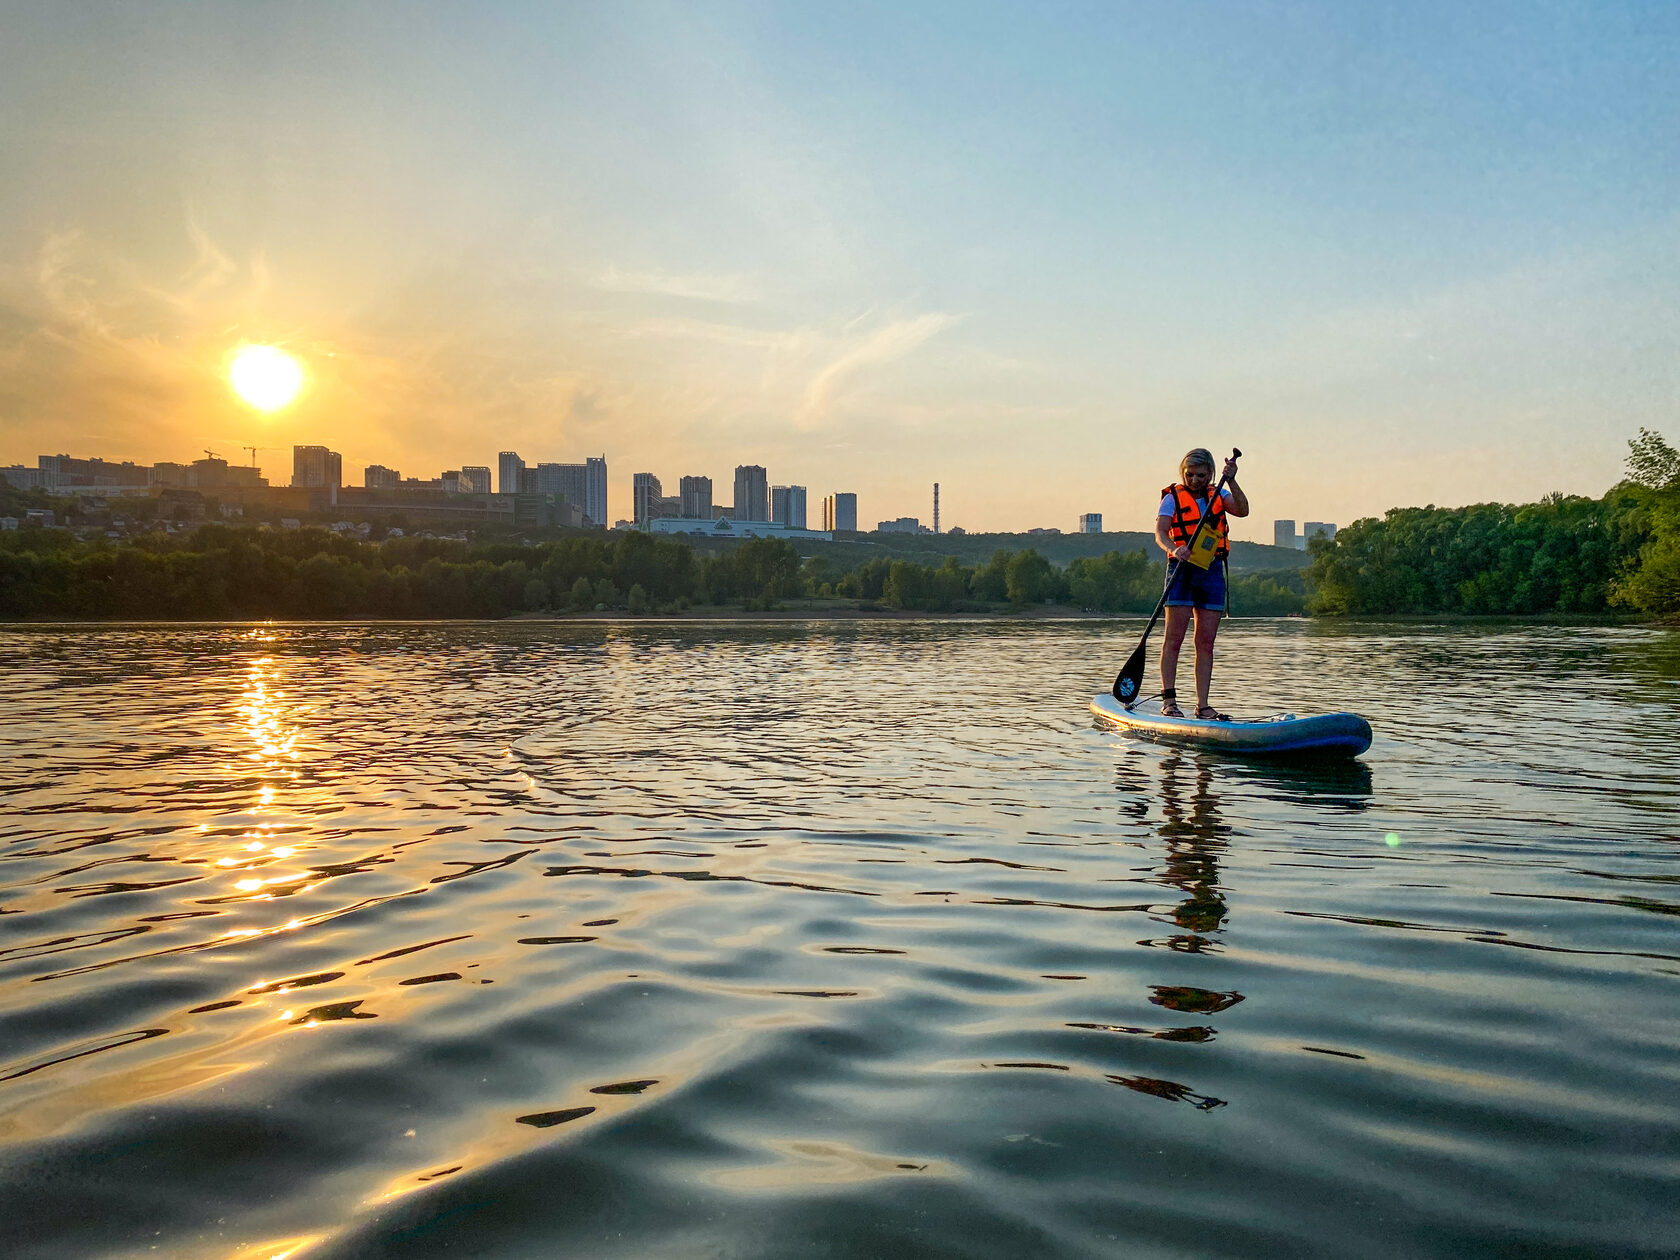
1054	613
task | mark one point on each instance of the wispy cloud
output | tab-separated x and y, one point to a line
863	348
210	270
700	286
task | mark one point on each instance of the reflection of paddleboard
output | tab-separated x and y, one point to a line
1327	735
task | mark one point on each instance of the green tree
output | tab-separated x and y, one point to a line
1114	582
1029	579
867	581
1652	462
1652	583
991	580
906	585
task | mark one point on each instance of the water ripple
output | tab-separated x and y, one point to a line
851	939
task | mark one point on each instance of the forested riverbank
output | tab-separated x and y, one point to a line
1565	554
220	571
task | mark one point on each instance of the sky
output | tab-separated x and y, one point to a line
1397	253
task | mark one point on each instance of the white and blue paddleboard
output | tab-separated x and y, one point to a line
1326	735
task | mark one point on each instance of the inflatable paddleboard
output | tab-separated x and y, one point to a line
1326	735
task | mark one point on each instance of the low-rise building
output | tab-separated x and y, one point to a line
727	527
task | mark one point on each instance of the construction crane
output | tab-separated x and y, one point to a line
255	449
211	455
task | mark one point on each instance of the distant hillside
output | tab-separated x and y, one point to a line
851	550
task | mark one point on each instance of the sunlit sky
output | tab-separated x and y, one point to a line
1399	254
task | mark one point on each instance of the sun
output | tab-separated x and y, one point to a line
265	376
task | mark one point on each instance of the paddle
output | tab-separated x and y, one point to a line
1131	673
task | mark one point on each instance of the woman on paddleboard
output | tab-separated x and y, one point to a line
1194	589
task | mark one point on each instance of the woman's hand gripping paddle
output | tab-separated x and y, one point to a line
1130	679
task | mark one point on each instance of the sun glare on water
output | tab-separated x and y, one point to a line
265	376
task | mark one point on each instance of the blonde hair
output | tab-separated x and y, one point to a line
1201	456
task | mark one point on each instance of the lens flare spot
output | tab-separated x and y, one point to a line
1392	840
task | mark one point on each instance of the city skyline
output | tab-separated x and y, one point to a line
310	463
1401	259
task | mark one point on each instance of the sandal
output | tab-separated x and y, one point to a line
1169	704
1207	713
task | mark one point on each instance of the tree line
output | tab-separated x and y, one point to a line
223	571
1564	554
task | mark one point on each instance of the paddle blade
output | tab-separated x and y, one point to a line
1130	681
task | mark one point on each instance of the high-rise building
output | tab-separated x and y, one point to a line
840	512
508	468
645	494
696	496
527	482
1311	530
1091	523
317	468
595	491
787	506
752	493
1283	534
451	481
584	485
475	479
571	480
379	477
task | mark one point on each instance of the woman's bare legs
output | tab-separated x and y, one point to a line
1172	639
1207	629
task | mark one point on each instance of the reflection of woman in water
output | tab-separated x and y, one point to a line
1194	837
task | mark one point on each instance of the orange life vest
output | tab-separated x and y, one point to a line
1186	515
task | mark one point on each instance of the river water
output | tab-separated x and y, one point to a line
832	940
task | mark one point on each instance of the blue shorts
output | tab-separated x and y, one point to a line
1198	588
